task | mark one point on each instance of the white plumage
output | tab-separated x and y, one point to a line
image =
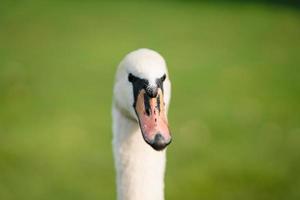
140	169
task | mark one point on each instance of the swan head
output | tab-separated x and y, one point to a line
142	93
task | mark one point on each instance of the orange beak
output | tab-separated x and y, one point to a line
153	119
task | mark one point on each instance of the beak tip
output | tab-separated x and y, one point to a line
159	143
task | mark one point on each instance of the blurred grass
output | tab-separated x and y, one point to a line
234	111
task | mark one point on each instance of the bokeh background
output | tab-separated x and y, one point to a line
235	110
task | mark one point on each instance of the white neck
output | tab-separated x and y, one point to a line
140	169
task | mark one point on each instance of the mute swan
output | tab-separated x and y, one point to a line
140	126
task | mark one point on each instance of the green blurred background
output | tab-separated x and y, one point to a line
235	110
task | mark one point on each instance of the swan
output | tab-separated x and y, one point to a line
141	99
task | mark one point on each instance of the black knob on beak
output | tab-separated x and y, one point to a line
152	92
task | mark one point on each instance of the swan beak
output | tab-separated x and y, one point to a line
153	119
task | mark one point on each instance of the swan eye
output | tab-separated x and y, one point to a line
131	78
163	78
160	81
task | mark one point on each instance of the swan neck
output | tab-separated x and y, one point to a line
140	169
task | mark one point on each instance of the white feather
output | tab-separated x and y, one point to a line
140	169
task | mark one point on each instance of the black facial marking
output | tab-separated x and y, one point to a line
152	92
160	82
163	78
158	103
147	104
131	78
139	84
